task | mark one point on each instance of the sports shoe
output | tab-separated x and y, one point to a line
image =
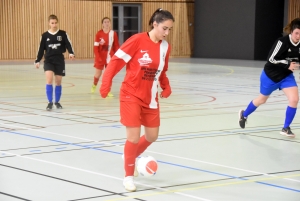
93	89
49	106
287	132
136	173
110	94
129	184
242	119
58	105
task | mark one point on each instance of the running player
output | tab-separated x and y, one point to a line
54	42
146	57
283	59
105	45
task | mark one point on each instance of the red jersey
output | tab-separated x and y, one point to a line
105	46
146	65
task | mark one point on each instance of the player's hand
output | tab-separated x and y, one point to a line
37	65
294	66
102	94
71	56
166	93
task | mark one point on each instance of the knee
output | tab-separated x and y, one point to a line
294	101
58	82
133	140
259	101
151	138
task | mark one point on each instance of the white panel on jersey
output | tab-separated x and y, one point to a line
122	55
96	44
110	42
277	48
162	55
70	43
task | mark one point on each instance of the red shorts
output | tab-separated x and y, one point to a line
99	66
135	115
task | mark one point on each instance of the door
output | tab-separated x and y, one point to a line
126	20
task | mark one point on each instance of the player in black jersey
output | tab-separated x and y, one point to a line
54	42
283	59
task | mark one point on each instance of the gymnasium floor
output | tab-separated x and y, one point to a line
75	153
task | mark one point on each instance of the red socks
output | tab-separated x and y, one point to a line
96	81
129	157
131	152
142	146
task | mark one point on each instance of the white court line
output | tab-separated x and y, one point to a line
169	155
103	175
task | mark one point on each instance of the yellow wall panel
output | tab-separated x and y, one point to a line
23	22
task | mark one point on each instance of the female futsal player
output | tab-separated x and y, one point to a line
54	42
146	58
278	74
105	45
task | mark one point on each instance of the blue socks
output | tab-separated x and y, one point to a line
289	116
57	93
251	108
49	92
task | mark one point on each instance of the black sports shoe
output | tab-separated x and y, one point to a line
49	106
242	119
287	132
58	105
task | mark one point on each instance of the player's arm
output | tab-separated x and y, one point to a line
164	80
69	47
118	61
116	44
96	47
275	57
40	52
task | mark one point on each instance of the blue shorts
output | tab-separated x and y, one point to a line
267	86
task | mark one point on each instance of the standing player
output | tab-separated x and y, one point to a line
105	45
146	56
54	42
278	74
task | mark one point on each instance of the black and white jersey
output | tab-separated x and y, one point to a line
283	52
54	44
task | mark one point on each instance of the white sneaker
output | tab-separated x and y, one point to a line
136	173
129	184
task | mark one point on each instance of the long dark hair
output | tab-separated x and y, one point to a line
295	24
160	16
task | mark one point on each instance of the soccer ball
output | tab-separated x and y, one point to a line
147	166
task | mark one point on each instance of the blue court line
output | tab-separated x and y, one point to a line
35	150
60	147
273	185
168	163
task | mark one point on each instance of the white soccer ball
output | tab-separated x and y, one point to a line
147	166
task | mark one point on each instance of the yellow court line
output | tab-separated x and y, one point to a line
228	68
201	187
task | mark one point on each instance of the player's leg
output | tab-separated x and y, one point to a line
59	72
267	86
150	118
253	105
58	91
98	72
49	68
130	117
290	88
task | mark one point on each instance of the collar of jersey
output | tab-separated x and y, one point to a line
295	44
54	32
